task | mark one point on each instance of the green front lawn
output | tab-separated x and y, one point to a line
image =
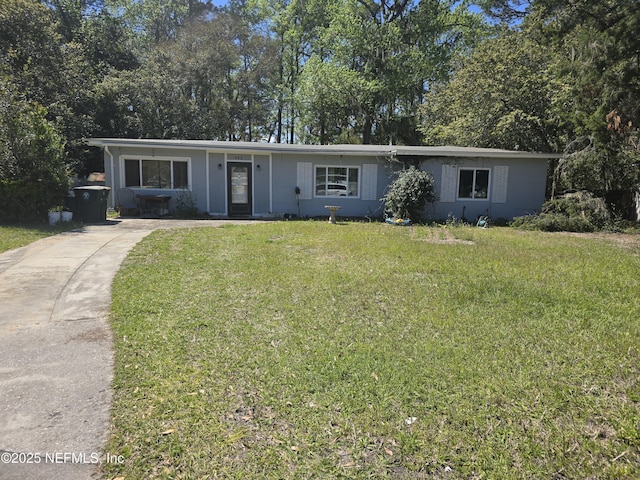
307	350
14	236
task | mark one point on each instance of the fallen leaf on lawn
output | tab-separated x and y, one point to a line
375	376
387	451
167	432
294	448
119	478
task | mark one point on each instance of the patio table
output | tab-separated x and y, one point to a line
156	205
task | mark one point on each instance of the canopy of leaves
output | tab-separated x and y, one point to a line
566	79
544	75
33	174
499	97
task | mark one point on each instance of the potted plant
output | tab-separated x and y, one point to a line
66	215
55	215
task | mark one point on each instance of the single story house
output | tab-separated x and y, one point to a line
243	179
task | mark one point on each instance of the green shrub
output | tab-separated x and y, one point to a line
28	201
572	212
33	172
409	193
186	206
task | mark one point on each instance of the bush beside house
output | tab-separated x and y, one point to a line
33	172
409	193
573	212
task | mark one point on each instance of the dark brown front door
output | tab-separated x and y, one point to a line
239	189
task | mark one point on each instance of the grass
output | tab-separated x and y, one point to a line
308	350
14	236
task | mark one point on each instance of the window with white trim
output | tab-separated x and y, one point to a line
154	173
337	181
473	183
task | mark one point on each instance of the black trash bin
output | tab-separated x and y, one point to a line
91	204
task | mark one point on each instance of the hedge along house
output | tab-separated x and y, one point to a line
262	180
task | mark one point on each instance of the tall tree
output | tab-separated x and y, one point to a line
294	25
209	83
507	12
253	75
30	48
158	21
597	59
499	97
33	172
396	49
330	99
566	79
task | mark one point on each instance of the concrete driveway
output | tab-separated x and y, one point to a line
56	355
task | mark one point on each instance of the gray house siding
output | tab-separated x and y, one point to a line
284	183
115	172
469	182
291	171
216	185
516	187
261	183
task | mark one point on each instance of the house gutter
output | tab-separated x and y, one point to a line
270	183
393	151
113	179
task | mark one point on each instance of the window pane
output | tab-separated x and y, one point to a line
353	182
240	185
156	174
482	184
321	181
180	175
150	173
465	187
337	175
337	182
132	173
164	170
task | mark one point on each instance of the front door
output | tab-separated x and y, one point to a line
239	189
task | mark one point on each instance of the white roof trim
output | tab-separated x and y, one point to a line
347	149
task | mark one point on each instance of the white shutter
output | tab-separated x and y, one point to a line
305	180
369	181
500	182
449	183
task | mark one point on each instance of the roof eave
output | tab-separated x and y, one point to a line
253	147
345	150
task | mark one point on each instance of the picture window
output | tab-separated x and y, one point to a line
153	173
473	183
337	182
